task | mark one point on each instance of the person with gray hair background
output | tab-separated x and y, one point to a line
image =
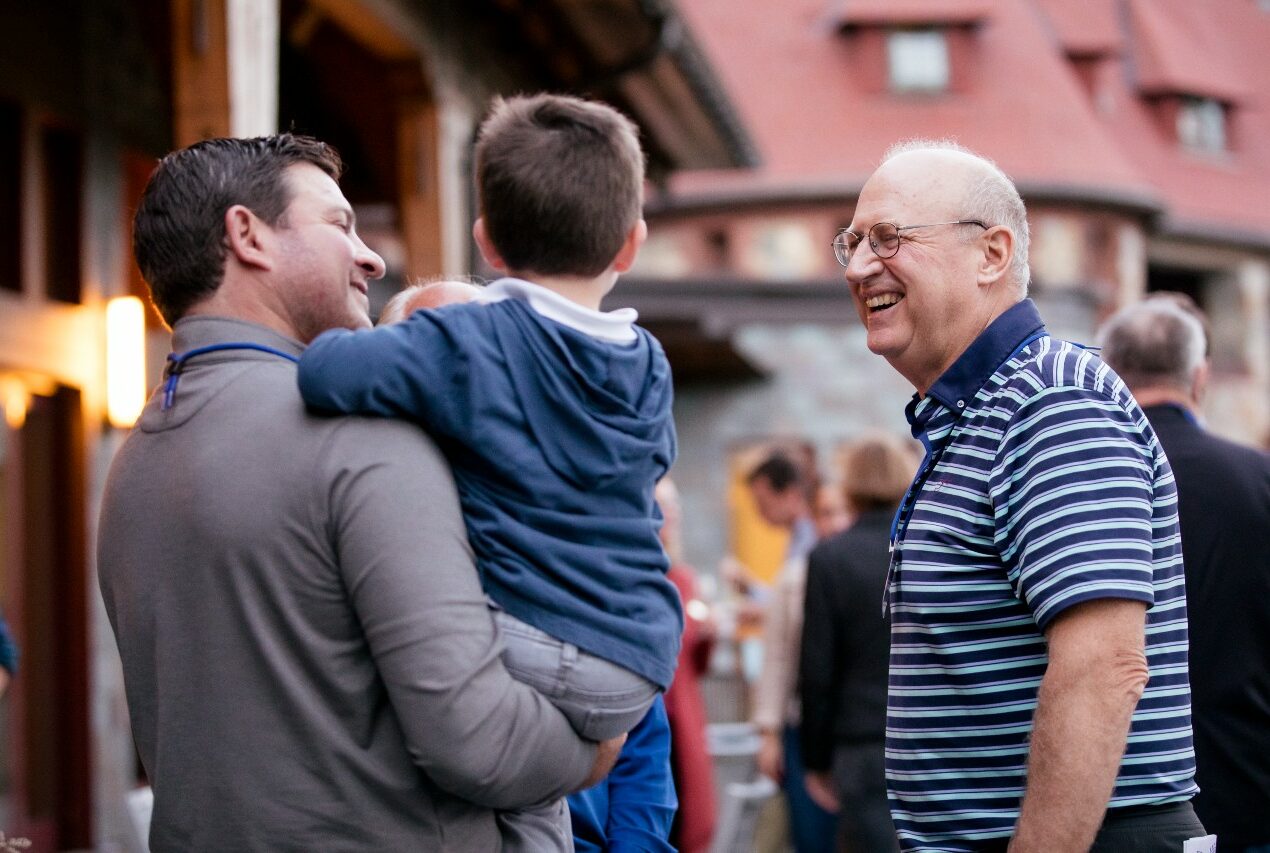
1159	346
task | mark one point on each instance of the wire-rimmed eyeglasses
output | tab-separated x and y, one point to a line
884	238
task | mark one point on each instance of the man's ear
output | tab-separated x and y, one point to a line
998	252
1199	381
625	257
247	238
483	242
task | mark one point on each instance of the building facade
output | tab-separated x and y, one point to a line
1138	132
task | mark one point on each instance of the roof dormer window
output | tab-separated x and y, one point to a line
918	60
1201	124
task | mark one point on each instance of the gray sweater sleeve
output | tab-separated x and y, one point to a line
394	520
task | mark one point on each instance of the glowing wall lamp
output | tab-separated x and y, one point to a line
125	360
15	398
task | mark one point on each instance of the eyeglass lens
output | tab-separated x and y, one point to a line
884	240
843	245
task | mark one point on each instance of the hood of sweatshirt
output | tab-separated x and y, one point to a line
598	410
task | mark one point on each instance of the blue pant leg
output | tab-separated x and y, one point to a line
811	828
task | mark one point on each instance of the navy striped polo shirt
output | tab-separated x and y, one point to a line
1043	487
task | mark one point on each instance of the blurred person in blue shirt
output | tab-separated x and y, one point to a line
8	656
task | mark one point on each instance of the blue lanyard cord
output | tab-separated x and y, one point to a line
177	360
899	524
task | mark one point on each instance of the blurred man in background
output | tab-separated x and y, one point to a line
1159	346
845	647
782	492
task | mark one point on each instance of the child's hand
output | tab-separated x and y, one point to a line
605	758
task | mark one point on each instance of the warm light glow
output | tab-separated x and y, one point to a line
697	610
125	360
14	397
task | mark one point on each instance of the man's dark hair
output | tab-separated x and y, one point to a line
561	183
178	233
780	472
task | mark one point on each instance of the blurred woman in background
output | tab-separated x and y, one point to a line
845	646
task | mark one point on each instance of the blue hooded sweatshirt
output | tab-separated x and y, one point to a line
556	437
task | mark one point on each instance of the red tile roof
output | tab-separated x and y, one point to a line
1086	28
1182	47
910	12
816	101
1221	45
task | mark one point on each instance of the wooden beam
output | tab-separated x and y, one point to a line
419	190
224	68
200	72
367	29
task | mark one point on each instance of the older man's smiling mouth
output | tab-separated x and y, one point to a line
882	301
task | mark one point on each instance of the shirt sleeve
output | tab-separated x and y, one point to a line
393	516
1073	493
8	649
416	369
640	793
776	677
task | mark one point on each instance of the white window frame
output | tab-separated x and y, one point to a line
917	60
1201	124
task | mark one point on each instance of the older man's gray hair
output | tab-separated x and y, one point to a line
993	199
426	294
1158	342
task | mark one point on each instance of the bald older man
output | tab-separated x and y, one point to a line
429	294
1038	694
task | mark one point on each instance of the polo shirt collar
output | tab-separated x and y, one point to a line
1171	412
986	354
918	412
